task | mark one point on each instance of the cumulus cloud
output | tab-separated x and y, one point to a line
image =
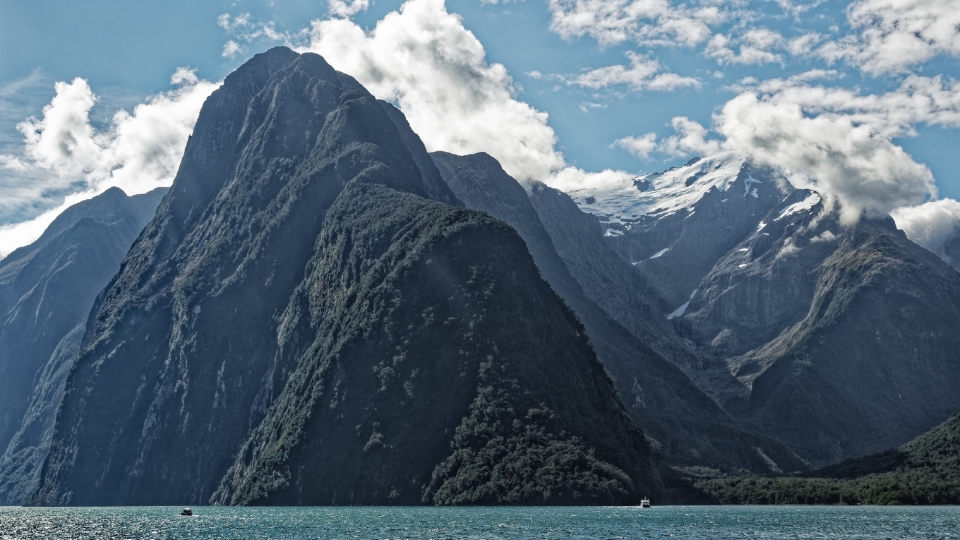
648	22
641	146
891	36
931	225
690	138
244	28
756	46
848	162
65	158
796	9
838	141
231	49
643	73
572	178
348	8
424	60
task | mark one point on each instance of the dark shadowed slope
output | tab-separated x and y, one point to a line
300	324
687	426
437	369
46	292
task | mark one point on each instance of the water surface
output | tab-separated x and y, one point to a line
696	522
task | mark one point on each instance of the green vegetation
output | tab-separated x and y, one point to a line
437	368
924	471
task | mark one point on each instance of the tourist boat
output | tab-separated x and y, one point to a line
644	503
186	512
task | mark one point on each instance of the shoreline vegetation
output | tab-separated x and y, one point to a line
925	471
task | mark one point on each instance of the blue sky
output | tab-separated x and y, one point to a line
869	84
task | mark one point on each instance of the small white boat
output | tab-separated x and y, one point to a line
186	512
644	503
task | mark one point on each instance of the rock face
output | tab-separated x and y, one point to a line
46	292
877	341
685	425
309	319
832	339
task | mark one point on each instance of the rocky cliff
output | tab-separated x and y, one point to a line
309	319
46	292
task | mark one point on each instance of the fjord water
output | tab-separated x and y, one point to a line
704	522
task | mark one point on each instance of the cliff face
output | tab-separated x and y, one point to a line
877	343
46	292
308	320
684	424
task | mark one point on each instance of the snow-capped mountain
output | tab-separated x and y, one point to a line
790	310
674	226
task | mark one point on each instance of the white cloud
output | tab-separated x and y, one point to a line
804	44
648	22
848	162
756	47
64	154
930	224
587	106
573	178
690	138
63	140
244	28
641	146
231	49
894	35
797	9
348	8
835	140
422	58
643	73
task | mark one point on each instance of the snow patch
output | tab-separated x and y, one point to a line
748	188
663	194
760	228
803	206
659	254
743	250
682	309
613	232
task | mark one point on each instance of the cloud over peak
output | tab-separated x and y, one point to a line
422	58
838	141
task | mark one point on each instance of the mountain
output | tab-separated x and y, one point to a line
793	315
46	292
674	226
868	323
682	422
923	471
311	319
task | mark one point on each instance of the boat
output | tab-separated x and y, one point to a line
644	503
186	512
